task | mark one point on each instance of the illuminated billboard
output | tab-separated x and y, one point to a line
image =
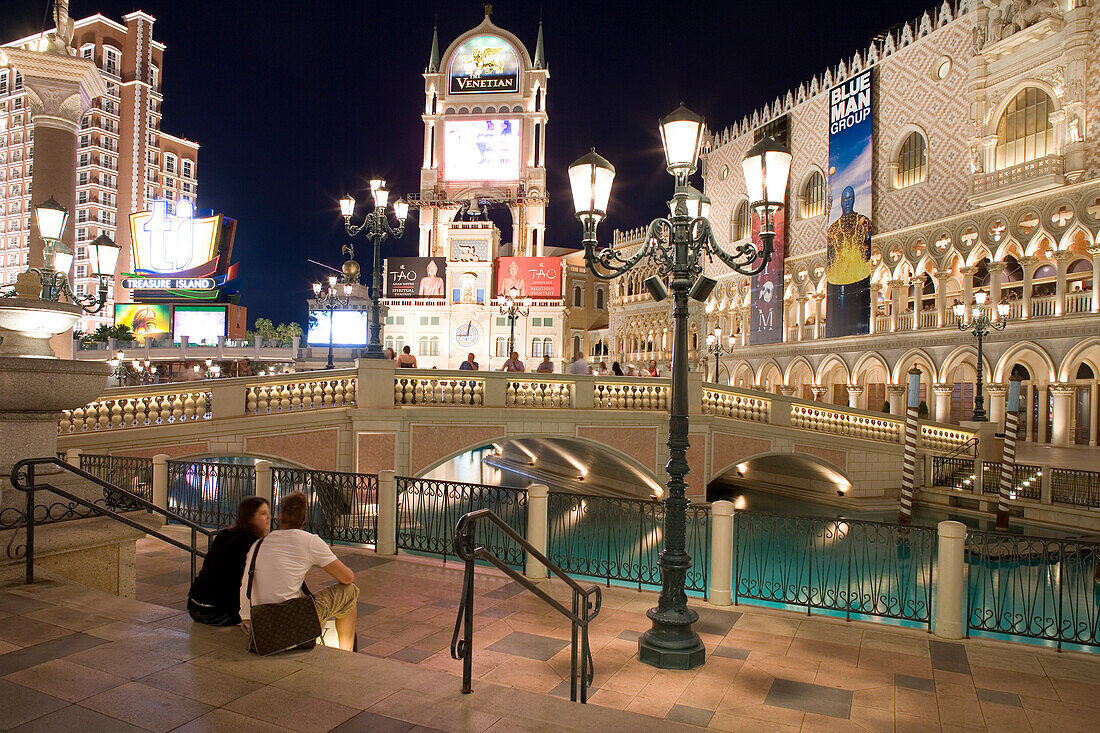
349	328
179	255
144	319
484	65
481	150
201	324
416	277
532	277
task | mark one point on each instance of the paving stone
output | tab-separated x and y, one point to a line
147	706
365	609
810	698
46	651
531	646
66	680
445	603
368	722
412	655
564	689
21	704
949	657
508	590
717	622
24	630
198	683
690	715
298	712
496	612
1001	698
629	635
914	683
358	561
730	652
77	718
226	721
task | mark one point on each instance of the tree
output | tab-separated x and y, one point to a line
268	331
119	332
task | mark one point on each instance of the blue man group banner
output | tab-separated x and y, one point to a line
848	234
766	299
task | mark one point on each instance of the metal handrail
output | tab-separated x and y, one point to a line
27	465
961	449
582	613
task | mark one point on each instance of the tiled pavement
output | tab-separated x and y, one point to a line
103	663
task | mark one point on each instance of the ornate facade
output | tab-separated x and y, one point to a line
986	177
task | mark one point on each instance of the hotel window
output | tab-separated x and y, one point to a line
578	297
433	346
501	346
1024	131
813	196
423	350
548	347
4	83
912	160
111	59
188	169
599	299
81	253
740	222
536	347
169	161
87	51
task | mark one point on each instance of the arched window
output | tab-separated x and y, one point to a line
740	222
389	342
813	195
599	299
548	347
423	350
578	297
912	160
536	347
1024	131
433	346
501	346
577	345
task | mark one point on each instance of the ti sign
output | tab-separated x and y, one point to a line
177	255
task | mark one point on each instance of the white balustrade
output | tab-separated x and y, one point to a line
928	319
1043	306
138	411
850	424
428	391
263	399
527	392
942	438
728	403
648	394
1079	301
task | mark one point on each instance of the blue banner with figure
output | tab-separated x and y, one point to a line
848	234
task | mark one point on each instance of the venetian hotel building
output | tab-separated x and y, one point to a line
124	158
985	176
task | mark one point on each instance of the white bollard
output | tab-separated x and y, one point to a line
265	485
537	501
160	480
386	541
950	586
720	592
72	457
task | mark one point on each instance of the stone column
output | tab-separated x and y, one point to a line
918	297
1027	397
786	326
385	542
1063	412
786	391
1061	260
1044	412
1027	263
896	294
995	402
951	588
855	392
537	505
872	327
941	298
996	270
265	486
60	89
896	394
721	554
968	284
1095	252
160	480
818	391
818	297
1094	392
943	401
800	315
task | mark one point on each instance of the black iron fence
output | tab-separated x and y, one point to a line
128	472
344	505
619	539
955	473
1078	488
855	567
427	511
209	493
1035	587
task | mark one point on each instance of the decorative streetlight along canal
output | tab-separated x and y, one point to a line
714	346
329	299
54	274
980	323
513	309
377	227
679	246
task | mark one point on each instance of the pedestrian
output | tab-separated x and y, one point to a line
514	364
469	365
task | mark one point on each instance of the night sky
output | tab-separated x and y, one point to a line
294	103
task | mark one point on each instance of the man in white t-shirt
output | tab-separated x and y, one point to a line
286	555
579	365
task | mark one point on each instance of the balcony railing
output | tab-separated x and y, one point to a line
988	182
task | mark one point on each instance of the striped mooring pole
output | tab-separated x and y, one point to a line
1008	459
909	465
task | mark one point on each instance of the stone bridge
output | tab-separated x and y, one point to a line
374	417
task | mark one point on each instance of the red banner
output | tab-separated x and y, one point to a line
532	277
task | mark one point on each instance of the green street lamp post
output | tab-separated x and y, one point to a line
513	308
376	227
329	299
679	246
980	324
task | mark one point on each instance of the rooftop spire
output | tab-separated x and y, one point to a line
433	62
540	54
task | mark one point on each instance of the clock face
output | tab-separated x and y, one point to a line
467	334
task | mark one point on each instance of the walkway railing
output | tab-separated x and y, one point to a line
1077	488
1034	587
345	505
131	473
209	493
854	567
1064	485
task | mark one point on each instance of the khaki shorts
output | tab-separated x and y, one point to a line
335	601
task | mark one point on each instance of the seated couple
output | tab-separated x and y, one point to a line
217	596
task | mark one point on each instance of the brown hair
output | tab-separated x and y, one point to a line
246	510
293	510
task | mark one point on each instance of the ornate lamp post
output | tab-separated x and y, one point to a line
377	227
512	308
54	273
328	299
980	324
118	365
714	346
679	246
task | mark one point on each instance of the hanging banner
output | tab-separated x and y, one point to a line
766	300
416	277
848	235
530	277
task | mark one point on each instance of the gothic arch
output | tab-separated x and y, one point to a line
828	364
1079	354
1033	356
867	362
918	358
798	361
959	357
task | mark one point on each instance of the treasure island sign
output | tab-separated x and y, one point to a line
484	64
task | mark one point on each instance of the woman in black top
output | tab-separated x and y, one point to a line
215	595
616	370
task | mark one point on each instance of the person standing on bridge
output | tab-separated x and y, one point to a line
514	364
469	365
546	366
406	360
214	598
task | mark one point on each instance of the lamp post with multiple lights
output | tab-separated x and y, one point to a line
978	322
513	308
678	246
715	346
118	365
54	274
376	226
329	299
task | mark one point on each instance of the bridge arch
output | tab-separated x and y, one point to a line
813	475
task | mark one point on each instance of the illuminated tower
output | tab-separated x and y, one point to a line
484	137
